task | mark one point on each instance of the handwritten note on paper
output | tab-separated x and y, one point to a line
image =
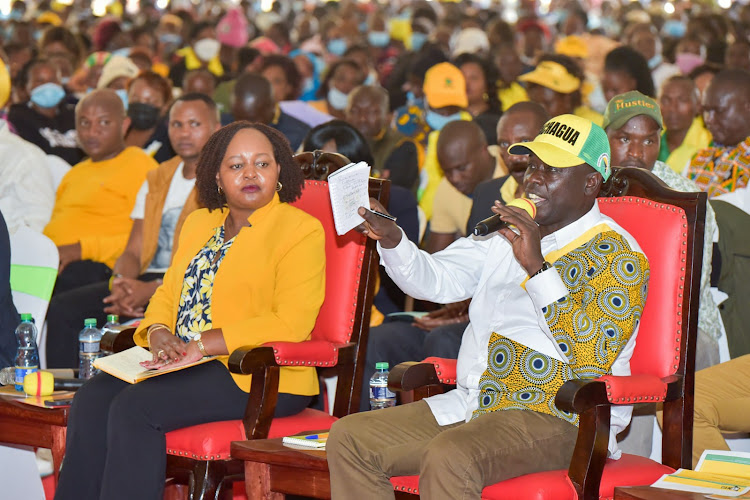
348	189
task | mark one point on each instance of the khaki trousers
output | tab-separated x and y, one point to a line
454	461
722	404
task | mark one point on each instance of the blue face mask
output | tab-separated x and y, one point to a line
379	39
47	95
170	39
124	52
410	97
417	40
16	15
337	99
654	61
336	46
437	121
123	95
674	28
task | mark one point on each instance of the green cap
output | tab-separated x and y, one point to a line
26	317
89	322
113	318
625	106
381	365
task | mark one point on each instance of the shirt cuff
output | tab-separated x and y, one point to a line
546	288
400	255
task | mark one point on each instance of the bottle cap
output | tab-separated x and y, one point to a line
26	317
113	318
381	365
89	322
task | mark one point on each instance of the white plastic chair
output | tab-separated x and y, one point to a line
33	271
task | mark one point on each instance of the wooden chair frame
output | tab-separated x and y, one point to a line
588	398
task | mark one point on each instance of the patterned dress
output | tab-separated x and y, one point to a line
608	284
719	170
194	313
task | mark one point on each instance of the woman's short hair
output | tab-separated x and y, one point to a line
67	38
290	70
155	81
628	60
349	141
325	86
290	175
491	77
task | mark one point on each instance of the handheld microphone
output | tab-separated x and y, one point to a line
494	222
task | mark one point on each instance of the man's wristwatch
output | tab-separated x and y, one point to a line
546	265
198	341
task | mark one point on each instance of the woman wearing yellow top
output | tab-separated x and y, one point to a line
249	269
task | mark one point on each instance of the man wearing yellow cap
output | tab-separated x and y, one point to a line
445	101
520	346
556	84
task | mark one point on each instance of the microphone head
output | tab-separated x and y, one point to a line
524	204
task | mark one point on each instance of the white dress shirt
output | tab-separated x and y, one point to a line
486	270
27	194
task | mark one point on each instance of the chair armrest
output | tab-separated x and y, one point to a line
310	352
260	363
445	369
577	396
114	341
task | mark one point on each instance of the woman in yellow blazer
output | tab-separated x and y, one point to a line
249	269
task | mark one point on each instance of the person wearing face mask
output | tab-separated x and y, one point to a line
46	120
689	54
644	39
203	52
340	80
148	97
116	74
445	101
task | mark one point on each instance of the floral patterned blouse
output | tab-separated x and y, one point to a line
194	314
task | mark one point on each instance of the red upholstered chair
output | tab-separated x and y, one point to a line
669	228
199	456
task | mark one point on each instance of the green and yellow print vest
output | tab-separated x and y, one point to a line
607	282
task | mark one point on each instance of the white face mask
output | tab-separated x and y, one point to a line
337	99
206	49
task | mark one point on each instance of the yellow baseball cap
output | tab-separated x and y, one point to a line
567	141
553	76
572	46
444	85
49	17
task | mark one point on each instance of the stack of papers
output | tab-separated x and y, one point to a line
721	474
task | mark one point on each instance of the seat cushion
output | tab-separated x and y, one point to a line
630	470
211	441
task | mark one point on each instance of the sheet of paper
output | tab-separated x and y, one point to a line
348	188
727	463
702	482
125	364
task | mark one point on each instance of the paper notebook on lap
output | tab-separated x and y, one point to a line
348	187
126	366
317	441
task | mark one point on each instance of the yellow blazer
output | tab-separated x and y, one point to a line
269	287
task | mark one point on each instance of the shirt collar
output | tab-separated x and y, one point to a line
575	229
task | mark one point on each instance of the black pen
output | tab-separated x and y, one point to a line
381	214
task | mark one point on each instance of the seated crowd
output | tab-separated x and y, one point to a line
155	149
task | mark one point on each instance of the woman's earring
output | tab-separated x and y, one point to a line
219	190
278	186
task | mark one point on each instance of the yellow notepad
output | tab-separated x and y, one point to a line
308	441
126	365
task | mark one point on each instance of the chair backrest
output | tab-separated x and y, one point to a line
33	272
345	262
57	168
668	226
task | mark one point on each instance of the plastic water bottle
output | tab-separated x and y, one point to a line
380	395
112	320
88	348
27	355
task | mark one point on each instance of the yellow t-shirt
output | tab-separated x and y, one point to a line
511	95
452	208
697	138
94	202
589	114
